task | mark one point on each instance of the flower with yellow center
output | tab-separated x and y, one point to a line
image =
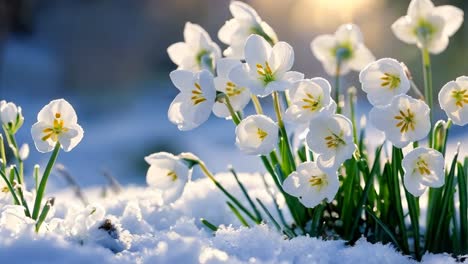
56	123
346	46
267	68
428	26
238	96
257	135
312	184
423	167
309	99
168	174
453	99
193	105
382	80
403	121
332	138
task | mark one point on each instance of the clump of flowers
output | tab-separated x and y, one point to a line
333	184
56	128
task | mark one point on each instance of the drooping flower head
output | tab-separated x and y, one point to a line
423	167
245	22
332	138
193	105
382	80
267	68
403	121
238	96
197	52
56	123
311	184
257	135
345	46
453	99
167	173
309	99
428	26
11	116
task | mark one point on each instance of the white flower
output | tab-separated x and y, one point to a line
257	135
267	68
167	173
311	184
345	46
11	116
453	99
309	99
428	26
238	96
423	167
382	80
197	52
332	138
56	123
14	222
245	22
403	121
193	105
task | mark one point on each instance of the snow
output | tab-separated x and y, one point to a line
142	228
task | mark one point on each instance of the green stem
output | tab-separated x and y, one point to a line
257	105
337	86
352	105
234	116
426	58
43	183
289	156
10	188
3	155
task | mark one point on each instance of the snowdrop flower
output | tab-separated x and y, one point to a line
245	22
382	80
56	123
11	116
193	105
423	167
345	47
311	184
309	99
257	135
167	173
197	52
238	96
453	99
403	121
267	67
332	138
428	26
14	222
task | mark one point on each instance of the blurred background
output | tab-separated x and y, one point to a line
108	59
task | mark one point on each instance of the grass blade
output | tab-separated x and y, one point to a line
246	194
463	197
237	214
209	225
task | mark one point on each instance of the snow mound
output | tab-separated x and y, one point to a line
136	226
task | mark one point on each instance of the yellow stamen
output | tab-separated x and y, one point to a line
461	97
422	167
318	181
233	90
173	175
265	72
261	134
406	121
333	141
311	103
390	80
57	129
197	95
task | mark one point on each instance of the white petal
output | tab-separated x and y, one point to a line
361	57
244	12
403	29
178	52
420	8
37	135
438	45
225	65
349	33
59	106
322	47
413	185
227	31
291	185
292	76
183	80
453	17
282	58
194	35
71	138
155	157
257	51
